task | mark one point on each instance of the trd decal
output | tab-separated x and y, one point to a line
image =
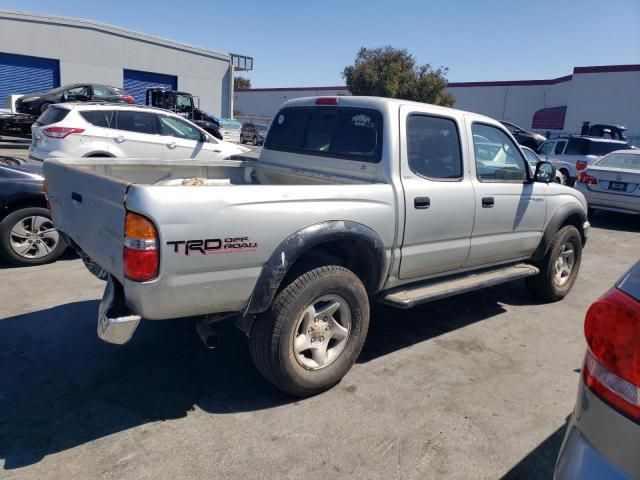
211	246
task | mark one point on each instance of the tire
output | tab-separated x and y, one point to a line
44	106
547	286
16	229
560	178
241	138
291	320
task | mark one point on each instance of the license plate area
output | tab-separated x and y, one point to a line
618	186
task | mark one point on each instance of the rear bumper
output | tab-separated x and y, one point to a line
600	442
610	201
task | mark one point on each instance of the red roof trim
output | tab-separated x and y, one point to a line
292	89
607	69
512	83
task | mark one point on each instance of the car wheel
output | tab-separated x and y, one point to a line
241	138
560	178
44	106
313	332
559	268
28	237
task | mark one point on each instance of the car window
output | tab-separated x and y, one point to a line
139	122
100	91
52	115
577	146
433	147
78	91
183	101
602	148
630	161
174	127
546	148
499	159
531	157
338	132
559	147
99	118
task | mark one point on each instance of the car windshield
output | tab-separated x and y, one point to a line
629	161
261	128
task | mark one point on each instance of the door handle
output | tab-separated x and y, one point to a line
76	197
487	202
421	202
119	139
172	145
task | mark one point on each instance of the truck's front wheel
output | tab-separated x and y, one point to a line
559	268
313	332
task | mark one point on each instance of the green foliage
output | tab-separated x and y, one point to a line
391	72
241	82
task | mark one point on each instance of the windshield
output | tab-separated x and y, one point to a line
629	161
261	128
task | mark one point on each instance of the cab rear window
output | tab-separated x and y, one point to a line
52	115
339	132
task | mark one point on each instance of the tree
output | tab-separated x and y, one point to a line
241	82
391	72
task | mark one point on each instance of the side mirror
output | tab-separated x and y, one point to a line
545	172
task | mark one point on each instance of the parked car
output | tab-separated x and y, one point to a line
571	154
523	137
613	182
603	434
27	234
135	131
37	103
253	132
295	245
533	159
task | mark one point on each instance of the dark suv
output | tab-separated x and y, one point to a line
523	137
36	103
253	132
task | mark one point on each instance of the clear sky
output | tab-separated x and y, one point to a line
308	43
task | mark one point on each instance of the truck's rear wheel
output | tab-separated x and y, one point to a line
313	332
559	268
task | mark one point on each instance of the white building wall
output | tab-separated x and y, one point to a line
92	52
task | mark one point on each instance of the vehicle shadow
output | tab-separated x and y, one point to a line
541	461
61	387
67	255
615	221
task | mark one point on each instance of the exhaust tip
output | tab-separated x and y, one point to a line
208	335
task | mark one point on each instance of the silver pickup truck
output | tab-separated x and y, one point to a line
352	200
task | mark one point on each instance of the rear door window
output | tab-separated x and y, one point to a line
340	132
52	115
577	146
139	122
560	147
99	118
434	147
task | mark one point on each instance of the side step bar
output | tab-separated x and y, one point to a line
412	295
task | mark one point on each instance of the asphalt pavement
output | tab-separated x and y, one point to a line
477	386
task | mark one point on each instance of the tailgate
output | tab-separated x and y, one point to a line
89	208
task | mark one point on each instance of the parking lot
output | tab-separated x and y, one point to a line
476	386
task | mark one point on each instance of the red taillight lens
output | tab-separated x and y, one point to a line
581	165
141	257
583	177
61	132
612	364
327	101
129	99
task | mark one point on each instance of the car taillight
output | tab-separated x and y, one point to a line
327	101
581	165
583	177
140	255
612	364
129	99
61	132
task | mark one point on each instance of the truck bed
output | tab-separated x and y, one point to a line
194	200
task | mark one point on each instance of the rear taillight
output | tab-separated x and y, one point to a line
129	99
583	177
612	365
141	256
61	132
581	165
327	101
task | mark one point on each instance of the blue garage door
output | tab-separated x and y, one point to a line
136	83
22	74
